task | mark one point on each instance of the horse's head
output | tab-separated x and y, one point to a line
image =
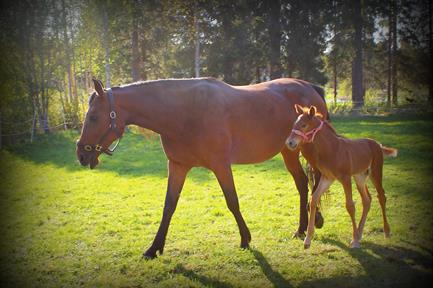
304	130
101	127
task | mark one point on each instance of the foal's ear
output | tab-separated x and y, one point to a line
99	88
313	111
299	109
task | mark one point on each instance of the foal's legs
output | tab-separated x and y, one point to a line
176	179
315	197
350	206
225	179
376	178
360	180
291	160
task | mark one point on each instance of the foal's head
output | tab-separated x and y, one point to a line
101	127
305	127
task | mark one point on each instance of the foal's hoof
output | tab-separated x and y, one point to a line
319	220
307	245
299	235
355	244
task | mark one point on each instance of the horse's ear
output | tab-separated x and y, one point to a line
99	88
299	109
313	111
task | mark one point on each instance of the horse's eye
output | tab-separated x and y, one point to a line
304	126
92	118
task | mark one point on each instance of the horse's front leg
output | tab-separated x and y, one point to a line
291	160
224	175
176	179
315	198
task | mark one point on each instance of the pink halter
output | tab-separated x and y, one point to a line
308	137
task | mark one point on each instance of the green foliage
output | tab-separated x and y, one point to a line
52	49
65	226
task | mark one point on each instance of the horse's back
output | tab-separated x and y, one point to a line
246	124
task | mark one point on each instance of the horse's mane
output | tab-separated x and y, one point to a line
165	81
92	96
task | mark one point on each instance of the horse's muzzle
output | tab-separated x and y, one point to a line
87	160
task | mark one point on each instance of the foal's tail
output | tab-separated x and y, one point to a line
388	151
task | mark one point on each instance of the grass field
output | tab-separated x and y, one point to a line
63	225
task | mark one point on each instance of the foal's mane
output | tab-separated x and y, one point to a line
328	124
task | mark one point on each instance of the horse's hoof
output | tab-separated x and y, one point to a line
298	235
149	255
245	246
307	245
319	220
355	244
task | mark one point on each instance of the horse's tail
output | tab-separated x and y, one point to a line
321	92
388	151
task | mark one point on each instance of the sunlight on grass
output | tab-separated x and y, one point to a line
63	225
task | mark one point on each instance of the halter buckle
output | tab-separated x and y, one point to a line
88	148
113	115
98	147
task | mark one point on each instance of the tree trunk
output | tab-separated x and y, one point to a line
335	80
75	102
144	58
71	100
394	52
389	54
227	65
357	73
197	42
135	65
106	47
275	38
430	46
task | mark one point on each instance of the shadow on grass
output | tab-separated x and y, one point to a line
138	156
273	276
384	266
206	281
135	157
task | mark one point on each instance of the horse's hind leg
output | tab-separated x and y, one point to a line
291	160
360	180
176	179
225	179
376	179
350	207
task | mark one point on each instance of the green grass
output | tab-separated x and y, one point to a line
63	225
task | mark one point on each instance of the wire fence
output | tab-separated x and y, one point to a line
26	130
13	131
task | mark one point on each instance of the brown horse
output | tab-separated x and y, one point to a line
339	158
203	122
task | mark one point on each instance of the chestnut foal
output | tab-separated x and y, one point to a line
339	158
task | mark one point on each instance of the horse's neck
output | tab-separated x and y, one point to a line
145	106
323	146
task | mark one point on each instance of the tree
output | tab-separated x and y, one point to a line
357	73
275	38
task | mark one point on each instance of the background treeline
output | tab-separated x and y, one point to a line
362	50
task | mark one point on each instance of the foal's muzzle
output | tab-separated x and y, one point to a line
291	144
